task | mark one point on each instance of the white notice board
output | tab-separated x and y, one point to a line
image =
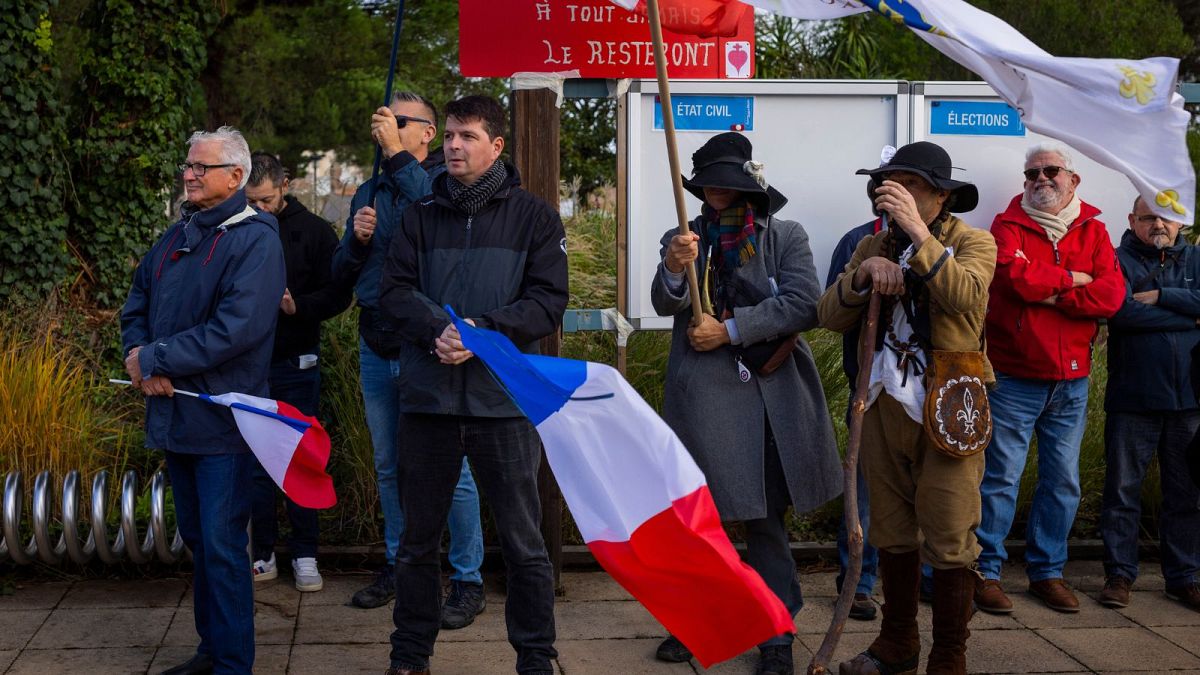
993	160
812	135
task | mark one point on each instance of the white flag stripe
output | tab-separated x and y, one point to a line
623	469
274	442
810	9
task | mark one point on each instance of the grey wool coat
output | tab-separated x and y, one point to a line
719	418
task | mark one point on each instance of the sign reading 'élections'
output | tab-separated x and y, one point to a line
595	37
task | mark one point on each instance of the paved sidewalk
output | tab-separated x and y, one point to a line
134	626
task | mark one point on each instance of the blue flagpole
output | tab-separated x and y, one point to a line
387	97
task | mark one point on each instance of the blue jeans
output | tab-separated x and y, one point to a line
505	454
1056	410
212	507
382	401
1130	441
301	388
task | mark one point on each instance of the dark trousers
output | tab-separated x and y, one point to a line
1130	441
302	389
767	548
212	507
504	454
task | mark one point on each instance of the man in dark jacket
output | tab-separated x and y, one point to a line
310	298
497	254
201	316
403	133
1151	407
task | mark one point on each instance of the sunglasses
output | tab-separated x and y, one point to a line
403	120
1049	171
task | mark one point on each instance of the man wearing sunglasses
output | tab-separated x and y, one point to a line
1151	407
403	131
1056	276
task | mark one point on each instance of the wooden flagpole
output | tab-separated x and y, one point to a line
664	95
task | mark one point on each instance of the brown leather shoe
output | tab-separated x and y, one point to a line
1116	592
1056	594
990	597
1188	595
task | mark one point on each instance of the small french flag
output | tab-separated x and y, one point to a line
291	446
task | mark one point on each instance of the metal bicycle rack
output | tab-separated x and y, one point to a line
70	545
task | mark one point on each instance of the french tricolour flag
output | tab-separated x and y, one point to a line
641	503
291	446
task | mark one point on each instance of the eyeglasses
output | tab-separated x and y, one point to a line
1151	218
1050	172
198	169
403	120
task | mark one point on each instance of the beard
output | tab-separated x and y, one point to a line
1161	241
1045	198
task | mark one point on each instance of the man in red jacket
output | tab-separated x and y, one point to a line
1056	275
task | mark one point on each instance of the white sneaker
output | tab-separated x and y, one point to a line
308	579
265	570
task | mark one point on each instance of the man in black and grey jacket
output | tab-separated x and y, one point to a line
1151	407
496	254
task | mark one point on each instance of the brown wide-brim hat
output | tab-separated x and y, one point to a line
725	161
931	162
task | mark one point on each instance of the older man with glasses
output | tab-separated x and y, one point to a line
1151	407
1056	276
201	316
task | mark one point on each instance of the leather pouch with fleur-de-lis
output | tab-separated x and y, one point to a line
958	418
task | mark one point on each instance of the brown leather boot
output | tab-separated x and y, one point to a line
953	600
898	647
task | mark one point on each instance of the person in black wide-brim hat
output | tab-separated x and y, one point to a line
742	391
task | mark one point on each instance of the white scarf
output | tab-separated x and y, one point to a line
1055	224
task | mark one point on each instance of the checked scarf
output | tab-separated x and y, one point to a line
470	198
733	229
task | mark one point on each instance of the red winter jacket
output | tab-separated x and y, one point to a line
1035	341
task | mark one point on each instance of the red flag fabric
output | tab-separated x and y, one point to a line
706	18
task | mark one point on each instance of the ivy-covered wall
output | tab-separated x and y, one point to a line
33	249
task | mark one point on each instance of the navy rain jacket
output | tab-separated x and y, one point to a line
1150	346
203	307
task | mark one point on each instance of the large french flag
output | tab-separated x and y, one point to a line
291	446
641	503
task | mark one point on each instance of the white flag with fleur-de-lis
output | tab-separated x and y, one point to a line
1122	113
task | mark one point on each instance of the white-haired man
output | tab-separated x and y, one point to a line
1056	275
201	316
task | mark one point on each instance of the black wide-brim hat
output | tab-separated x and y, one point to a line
724	162
931	162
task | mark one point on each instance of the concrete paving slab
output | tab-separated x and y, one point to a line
1033	613
489	625
1186	637
601	620
817	613
819	585
744	663
472	658
337	624
118	593
87	628
849	645
602	657
277	592
1015	651
322	659
338	589
35	596
18	626
1154	608
274	625
7	656
1150	672
1120	649
110	660
589	587
182	631
267	658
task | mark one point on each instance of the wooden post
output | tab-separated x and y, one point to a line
535	147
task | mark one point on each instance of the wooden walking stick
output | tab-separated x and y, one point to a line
866	356
664	96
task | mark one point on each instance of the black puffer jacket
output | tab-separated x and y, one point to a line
505	267
1150	346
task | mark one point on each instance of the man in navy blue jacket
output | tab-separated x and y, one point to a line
403	132
1151	407
201	316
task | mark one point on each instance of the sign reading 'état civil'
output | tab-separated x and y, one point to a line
595	37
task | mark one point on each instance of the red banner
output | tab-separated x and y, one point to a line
599	39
